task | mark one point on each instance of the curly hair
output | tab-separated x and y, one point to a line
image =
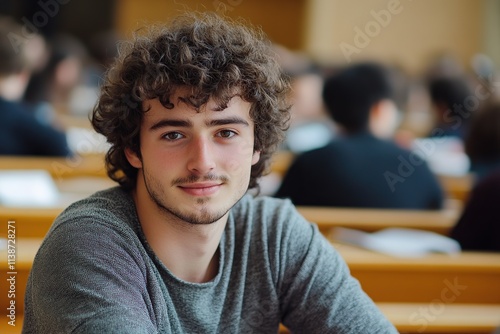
214	57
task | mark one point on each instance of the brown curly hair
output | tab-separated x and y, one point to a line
214	57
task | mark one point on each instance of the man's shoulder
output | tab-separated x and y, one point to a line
265	213
265	205
113	206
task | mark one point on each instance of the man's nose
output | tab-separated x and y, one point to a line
201	156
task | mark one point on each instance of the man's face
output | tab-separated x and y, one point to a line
195	166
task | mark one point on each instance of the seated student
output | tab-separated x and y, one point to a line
482	144
449	96
180	247
21	133
479	225
361	167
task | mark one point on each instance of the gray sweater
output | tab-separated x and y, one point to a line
96	273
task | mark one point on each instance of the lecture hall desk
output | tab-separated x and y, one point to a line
401	287
370	220
35	222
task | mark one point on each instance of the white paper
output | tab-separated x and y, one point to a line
402	242
27	188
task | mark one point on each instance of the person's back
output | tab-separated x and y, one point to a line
21	133
482	144
361	171
362	167
449	101
479	225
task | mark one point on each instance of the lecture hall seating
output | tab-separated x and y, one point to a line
404	289
370	220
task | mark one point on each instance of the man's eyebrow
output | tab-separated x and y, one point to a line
226	121
170	122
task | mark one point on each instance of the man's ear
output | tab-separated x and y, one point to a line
255	157
133	158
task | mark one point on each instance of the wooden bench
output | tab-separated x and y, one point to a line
407	317
419	298
25	251
370	220
34	222
5	328
468	277
59	168
457	187
431	318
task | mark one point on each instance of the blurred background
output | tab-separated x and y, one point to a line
415	37
417	40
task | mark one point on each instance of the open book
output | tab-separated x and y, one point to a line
402	242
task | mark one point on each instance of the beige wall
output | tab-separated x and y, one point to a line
411	32
282	20
415	32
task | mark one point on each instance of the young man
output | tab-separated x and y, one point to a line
193	113
361	166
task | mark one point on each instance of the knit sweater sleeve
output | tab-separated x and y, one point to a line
317	292
87	279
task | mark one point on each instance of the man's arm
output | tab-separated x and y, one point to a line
86	279
317	292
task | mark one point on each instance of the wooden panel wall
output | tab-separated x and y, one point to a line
281	20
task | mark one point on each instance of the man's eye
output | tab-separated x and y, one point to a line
226	133
173	136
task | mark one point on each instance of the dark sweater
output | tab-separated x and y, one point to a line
362	171
22	134
479	226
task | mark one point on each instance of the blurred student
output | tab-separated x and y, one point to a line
479	225
310	125
21	133
449	97
482	144
59	88
362	167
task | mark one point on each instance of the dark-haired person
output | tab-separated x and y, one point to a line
21	133
449	99
362	167
193	111
482	143
478	228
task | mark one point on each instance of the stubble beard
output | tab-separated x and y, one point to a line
200	217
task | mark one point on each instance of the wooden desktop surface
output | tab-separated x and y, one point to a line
469	277
439	221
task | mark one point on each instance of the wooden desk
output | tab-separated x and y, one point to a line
430	318
281	161
440	318
407	317
25	252
30	223
35	222
436	314
457	187
59	168
376	219
469	277
5	328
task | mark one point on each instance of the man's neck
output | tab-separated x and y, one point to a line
189	251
